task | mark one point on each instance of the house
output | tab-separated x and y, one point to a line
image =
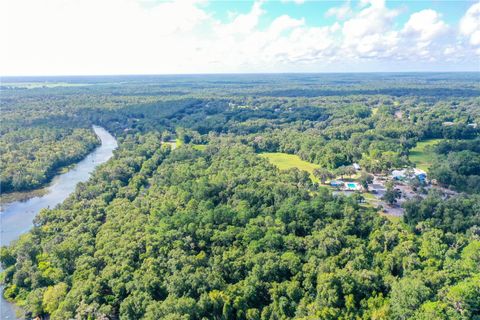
356	166
409	173
336	183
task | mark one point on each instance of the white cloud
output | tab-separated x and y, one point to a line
424	37
294	1
246	23
470	24
425	25
90	37
285	22
369	33
341	12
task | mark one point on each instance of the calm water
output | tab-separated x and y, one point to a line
17	217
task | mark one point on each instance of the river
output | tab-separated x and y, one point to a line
16	218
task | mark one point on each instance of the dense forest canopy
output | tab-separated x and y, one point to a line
211	230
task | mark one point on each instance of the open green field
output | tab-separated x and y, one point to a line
394	219
199	147
421	155
285	161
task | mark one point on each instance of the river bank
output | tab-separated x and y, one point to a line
17	217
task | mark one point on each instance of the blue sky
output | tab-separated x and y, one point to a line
56	37
314	11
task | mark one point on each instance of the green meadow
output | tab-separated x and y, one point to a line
422	155
285	161
199	147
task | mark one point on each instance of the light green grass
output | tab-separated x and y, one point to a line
369	196
285	161
421	155
394	219
178	142
199	147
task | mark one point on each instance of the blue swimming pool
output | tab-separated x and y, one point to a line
351	185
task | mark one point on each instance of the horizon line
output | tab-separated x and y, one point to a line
231	73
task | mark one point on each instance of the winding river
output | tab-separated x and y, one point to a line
16	218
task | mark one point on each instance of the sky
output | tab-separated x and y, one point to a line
102	37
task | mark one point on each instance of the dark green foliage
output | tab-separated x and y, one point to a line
458	169
219	233
456	214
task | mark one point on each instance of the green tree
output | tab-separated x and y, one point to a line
323	174
53	296
407	296
391	194
365	179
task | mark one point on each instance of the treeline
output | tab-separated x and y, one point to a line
222	234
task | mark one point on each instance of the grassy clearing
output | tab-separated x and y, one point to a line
394	219
369	196
199	147
284	161
422	155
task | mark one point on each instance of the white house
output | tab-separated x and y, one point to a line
404	173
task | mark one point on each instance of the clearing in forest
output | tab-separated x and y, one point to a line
199	147
285	161
422	155
174	143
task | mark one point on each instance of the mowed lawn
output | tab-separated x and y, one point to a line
284	161
199	147
421	155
